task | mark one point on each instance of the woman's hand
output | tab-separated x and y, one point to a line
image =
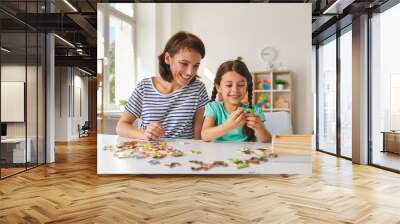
254	122
236	119
153	131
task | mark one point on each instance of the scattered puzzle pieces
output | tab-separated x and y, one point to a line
254	160
154	162
199	165
159	150
264	149
242	165
235	161
157	155
177	153
245	150
272	155
141	149
195	151
220	163
172	165
124	154
108	148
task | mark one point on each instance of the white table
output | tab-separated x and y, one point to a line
285	163
19	155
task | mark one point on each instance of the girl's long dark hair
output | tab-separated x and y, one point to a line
179	41
241	68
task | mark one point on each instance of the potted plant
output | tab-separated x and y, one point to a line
122	104
280	84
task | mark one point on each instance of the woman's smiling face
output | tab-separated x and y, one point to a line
233	88
183	65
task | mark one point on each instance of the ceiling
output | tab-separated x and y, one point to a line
75	21
76	25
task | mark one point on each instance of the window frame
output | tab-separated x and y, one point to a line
334	37
109	11
379	10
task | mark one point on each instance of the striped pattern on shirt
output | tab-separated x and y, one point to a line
174	112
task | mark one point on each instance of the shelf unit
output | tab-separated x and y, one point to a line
279	99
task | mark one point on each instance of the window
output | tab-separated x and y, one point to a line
116	48
124	8
333	137
346	94
327	96
22	75
385	85
394	102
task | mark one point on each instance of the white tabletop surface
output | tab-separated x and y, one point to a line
13	140
285	163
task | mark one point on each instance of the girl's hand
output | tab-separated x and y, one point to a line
153	131
236	119
254	122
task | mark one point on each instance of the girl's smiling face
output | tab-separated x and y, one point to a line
233	88
183	65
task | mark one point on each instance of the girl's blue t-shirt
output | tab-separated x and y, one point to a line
216	110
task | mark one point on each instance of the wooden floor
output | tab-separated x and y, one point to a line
70	191
5	172
387	159
10	171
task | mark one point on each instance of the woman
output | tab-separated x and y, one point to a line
171	104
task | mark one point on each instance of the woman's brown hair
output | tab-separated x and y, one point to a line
239	67
179	41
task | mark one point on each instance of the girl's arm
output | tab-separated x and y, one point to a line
263	134
254	122
126	129
198	123
210	132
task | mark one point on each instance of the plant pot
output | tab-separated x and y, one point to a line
280	87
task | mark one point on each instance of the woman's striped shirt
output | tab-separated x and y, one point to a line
174	112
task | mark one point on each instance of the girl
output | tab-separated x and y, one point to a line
171	103
230	120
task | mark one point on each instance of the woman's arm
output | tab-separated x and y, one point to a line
198	123
126	129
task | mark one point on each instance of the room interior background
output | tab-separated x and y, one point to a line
136	33
331	50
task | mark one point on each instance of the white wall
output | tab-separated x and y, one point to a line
232	30
16	73
80	83
67	84
146	55
286	27
61	103
33	126
155	24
